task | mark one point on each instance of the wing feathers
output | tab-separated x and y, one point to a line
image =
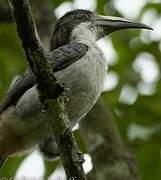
60	58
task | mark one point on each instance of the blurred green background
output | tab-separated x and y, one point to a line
133	86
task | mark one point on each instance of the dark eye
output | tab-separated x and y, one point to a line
85	15
80	16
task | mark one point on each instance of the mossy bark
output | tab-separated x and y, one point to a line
51	93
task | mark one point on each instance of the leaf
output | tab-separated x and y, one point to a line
10	167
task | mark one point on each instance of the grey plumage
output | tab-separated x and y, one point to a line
79	65
58	59
83	93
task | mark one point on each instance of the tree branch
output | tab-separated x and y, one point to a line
110	158
49	89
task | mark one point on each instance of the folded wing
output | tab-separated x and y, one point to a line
59	58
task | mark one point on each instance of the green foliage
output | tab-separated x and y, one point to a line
50	167
12	60
145	111
10	167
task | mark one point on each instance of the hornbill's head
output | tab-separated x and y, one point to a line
100	26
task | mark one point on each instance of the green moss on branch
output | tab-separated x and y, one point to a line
48	88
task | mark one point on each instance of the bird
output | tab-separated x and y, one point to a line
78	64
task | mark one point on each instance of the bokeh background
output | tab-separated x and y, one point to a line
132	89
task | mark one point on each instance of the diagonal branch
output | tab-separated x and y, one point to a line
49	90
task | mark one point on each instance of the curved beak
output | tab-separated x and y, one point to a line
111	24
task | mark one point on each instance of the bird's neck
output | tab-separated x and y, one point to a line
83	34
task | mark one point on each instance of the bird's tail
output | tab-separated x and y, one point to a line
2	160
